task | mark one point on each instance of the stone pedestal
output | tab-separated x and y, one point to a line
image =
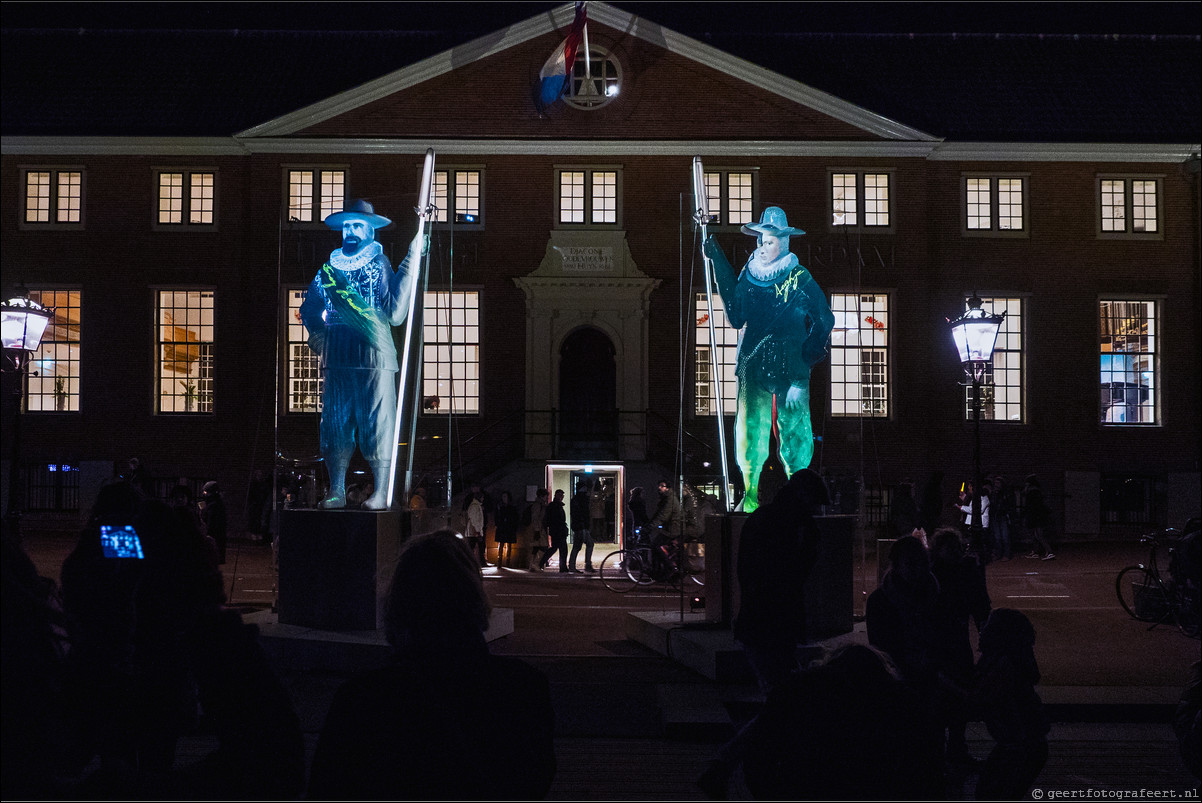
335	567
828	593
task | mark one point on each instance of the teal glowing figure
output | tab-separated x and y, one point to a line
786	323
350	309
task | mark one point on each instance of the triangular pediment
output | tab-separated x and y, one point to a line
483	89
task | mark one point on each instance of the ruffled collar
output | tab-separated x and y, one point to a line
765	275
342	262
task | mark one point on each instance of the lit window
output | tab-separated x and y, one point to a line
596	79
1002	391
731	196
457	192
860	200
304	376
185	351
186	198
1129	206
53	197
728	346
451	352
1127	346
315	194
860	355
54	381
994	204
589	197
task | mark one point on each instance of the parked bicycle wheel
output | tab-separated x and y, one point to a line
1142	595
625	569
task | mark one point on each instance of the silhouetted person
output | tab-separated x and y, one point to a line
447	720
556	520
778	547
582	535
638	510
963	596
903	511
845	729
506	533
1005	698
1187	721
258	506
930	506
42	751
215	517
126	653
900	618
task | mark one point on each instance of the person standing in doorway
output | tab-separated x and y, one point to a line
581	533
506	533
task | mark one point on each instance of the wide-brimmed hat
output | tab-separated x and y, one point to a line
772	222
357	209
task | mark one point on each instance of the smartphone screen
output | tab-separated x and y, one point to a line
120	541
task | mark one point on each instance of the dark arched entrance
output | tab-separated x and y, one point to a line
588	415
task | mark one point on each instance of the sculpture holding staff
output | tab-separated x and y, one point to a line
786	323
349	310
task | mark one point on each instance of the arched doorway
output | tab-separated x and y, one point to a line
588	413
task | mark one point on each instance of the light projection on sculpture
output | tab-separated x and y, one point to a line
786	324
349	310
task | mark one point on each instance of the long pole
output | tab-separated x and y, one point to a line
701	201
424	213
975	527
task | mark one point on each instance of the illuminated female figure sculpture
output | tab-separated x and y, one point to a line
788	326
350	309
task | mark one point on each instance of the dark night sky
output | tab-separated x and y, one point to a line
688	18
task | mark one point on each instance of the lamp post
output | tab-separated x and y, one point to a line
22	324
975	333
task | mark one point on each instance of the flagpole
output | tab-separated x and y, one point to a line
424	213
702	215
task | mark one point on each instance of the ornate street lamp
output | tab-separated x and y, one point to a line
975	333
22	324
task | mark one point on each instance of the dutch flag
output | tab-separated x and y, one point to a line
553	77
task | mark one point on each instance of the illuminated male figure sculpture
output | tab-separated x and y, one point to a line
788	325
350	309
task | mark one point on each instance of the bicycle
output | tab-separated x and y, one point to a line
1147	596
642	564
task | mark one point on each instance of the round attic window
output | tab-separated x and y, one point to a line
596	81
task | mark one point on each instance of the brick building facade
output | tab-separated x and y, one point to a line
1090	243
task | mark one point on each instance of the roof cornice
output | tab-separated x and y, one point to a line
933	151
1062	152
120	146
557	19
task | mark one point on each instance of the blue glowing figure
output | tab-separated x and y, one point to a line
788	326
350	309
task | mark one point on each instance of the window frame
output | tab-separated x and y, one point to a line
72	377
1128	233
596	55
453	172
187	200
728	345
838	405
431	310
205	353
316	200
1001	352
1153	354
994	229
861	200
311	362
55	171
589	172
721	217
